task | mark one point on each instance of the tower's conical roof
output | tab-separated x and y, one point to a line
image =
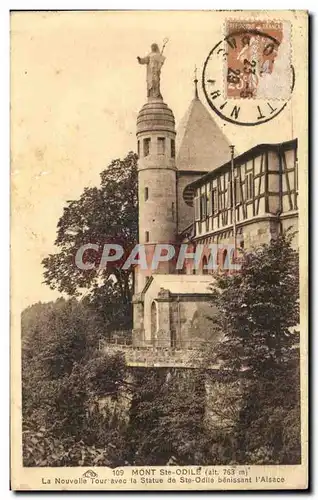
201	144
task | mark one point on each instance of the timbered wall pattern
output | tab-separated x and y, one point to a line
264	184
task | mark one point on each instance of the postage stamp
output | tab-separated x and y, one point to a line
258	61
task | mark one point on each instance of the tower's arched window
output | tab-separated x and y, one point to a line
161	145
146	143
147	236
138	148
146	193
173	148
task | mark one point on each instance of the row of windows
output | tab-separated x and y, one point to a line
223	259
211	203
161	147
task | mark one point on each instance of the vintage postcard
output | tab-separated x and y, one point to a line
159	250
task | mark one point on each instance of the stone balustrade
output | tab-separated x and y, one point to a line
158	357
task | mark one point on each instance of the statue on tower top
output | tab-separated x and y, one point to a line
154	61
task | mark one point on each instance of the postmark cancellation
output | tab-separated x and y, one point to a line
248	76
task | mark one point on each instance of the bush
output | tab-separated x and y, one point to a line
42	449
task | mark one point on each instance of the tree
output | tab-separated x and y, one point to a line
105	214
55	336
259	309
166	418
65	381
70	423
268	429
258	315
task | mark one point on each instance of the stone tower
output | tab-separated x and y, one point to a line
156	182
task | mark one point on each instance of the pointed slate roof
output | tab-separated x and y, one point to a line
201	144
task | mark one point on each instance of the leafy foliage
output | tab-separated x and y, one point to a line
166	417
57	337
64	377
258	313
259	308
107	214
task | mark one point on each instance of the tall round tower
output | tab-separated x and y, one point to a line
156	181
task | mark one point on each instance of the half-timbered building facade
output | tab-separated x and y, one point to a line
257	192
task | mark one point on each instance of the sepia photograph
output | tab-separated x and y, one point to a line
159	171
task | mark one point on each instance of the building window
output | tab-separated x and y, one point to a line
173	211
208	204
197	208
146	147
146	193
173	148
203	201
147	236
238	198
249	187
161	145
214	202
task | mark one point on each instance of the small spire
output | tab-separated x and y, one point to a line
196	95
